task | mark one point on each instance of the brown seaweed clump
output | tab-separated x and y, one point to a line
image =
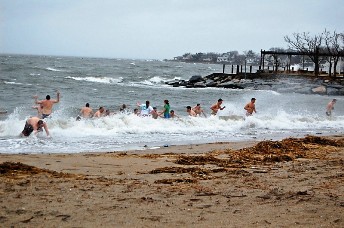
267	152
18	170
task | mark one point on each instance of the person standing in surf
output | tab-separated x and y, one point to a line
86	112
330	107
100	112
146	109
47	104
198	110
190	111
250	107
216	107
166	110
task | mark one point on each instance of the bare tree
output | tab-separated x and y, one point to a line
310	45
334	45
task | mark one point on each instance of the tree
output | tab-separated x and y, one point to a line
334	45
310	45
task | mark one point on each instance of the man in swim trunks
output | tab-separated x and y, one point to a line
34	124
198	110
330	107
155	113
173	114
217	106
100	112
86	112
250	107
47	104
190	111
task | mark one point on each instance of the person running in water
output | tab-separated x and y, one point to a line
34	124
250	107
86	112
330	107
47	104
217	106
198	110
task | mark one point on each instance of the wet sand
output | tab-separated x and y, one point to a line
289	183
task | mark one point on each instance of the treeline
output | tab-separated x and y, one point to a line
324	48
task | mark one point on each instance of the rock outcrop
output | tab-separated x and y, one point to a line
279	83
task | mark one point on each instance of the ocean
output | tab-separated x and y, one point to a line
111	82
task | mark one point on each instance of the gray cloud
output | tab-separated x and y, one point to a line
158	29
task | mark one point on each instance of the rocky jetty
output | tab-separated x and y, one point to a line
278	83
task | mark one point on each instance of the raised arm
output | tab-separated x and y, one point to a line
36	100
58	97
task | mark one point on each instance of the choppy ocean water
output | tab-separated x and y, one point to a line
112	82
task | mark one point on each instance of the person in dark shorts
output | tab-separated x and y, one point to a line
34	124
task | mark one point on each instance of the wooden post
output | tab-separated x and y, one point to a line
237	71
223	68
232	69
240	68
251	69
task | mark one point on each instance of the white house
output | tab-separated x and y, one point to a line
223	58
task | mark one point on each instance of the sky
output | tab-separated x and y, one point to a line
159	29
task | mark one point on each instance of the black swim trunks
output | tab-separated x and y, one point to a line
45	116
28	129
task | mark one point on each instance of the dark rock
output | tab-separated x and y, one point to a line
211	84
183	83
199	85
196	78
230	85
335	86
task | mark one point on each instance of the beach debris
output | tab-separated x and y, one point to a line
244	161
18	170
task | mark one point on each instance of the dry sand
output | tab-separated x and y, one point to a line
293	183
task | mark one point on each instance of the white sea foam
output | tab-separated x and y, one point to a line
34	74
53	69
106	80
120	130
13	83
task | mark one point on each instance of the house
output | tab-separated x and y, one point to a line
223	58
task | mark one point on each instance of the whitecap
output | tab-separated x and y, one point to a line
53	69
106	80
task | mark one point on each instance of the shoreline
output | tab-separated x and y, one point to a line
292	182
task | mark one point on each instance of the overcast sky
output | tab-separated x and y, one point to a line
158	29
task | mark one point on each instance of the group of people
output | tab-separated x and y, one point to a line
44	109
146	109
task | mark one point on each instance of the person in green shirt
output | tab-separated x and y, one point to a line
166	110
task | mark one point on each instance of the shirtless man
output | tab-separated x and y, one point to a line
86	112
217	106
330	107
155	113
100	112
34	124
250	107
47	104
198	110
190	111
173	114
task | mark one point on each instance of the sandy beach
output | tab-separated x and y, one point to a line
288	183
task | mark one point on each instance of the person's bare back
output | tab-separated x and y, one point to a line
86	112
47	104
